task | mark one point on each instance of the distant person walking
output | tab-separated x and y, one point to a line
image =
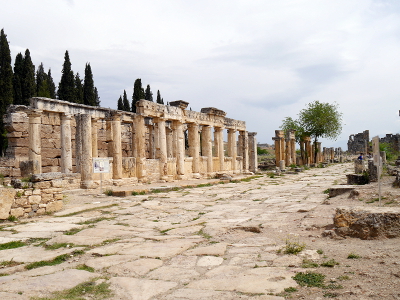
360	157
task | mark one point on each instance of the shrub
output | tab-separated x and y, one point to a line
309	279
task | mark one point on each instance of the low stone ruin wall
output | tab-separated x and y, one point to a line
42	194
367	222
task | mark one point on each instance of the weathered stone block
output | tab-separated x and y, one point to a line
18	142
6	200
35	199
42	185
54	206
20	201
52	191
46	176
47	198
57	183
368	222
58	196
358	179
336	191
17	212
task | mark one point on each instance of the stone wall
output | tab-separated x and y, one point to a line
358	143
393	140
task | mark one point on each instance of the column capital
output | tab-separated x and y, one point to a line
231	130
66	116
252	133
32	113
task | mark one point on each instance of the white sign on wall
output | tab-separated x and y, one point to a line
101	165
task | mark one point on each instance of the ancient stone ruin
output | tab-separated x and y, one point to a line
158	143
358	143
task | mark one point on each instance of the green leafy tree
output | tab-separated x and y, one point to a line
159	99
51	85
120	105
138	93
28	78
6	86
17	80
78	89
66	87
88	87
318	120
125	102
148	95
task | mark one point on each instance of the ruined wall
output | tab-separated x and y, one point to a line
358	143
393	140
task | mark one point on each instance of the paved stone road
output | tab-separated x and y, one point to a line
208	242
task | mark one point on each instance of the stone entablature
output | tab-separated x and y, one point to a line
59	136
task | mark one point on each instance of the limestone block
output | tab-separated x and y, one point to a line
42	185
34	199
41	211
368	222
358	179
20	201
46	176
6	200
57	183
18	142
27	209
47	198
58	196
36	192
51	169
14	134
17	212
51	143
46	130
28	192
20	152
15	172
50	162
17	127
52	191
54	206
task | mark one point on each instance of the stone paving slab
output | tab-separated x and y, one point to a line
135	268
28	254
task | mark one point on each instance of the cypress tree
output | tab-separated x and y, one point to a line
17	80
88	87
28	78
78	89
148	94
120	105
51	85
138	93
66	86
42	84
125	102
159	99
6	86
96	97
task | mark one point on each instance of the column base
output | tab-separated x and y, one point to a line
87	184
196	175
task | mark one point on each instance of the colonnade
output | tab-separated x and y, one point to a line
160	137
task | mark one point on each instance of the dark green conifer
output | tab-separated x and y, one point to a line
51	85
78	89
28	79
66	87
6	86
138	93
120	105
17	80
125	102
42	85
159	99
148	94
96	97
88	87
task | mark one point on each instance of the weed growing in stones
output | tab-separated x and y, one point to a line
320	251
292	247
138	193
9	263
56	261
12	218
330	263
353	256
309	279
85	268
12	245
58	246
108	192
309	264
343	277
73	231
93	221
88	210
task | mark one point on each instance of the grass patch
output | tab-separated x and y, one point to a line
326	191
12	245
138	193
122	224
204	185
247	179
12	218
58	246
204	234
85	268
56	261
353	256
9	263
86	290
73	231
320	251
93	221
309	279
309	264
330	263
330	295
292	247
108	192
344	277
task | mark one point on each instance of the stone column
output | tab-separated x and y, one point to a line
66	149
78	142
180	148
253	163
162	147
319	154
170	146
207	147
293	145
244	138
116	146
288	150
219	136
140	143
35	147
307	146
232	148
194	147
279	146
95	150
86	154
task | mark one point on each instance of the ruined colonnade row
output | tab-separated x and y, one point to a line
158	142
285	150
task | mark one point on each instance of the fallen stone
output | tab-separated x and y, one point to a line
368	222
336	191
7	198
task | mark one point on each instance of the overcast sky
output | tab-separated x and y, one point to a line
259	61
